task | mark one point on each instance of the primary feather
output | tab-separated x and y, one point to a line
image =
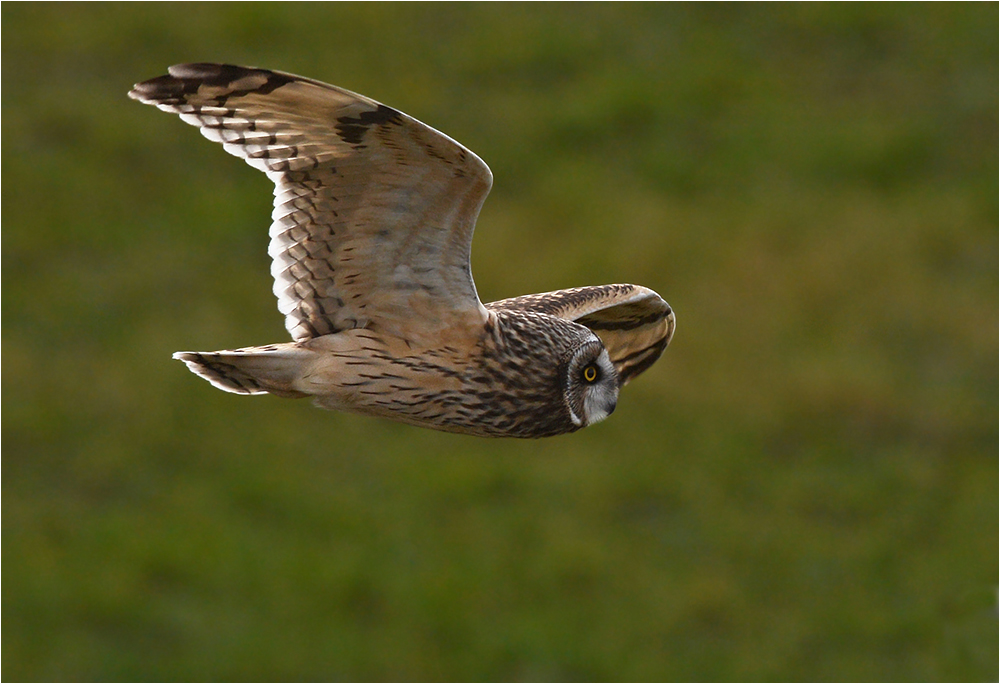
373	210
370	245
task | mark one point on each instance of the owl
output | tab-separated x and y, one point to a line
370	246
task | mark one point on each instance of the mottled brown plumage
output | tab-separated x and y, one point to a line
370	241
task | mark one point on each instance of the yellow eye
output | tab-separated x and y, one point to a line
590	373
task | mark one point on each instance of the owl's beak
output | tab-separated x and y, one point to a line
600	408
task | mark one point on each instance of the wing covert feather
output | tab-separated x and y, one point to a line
373	210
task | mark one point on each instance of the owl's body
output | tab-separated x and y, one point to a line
373	221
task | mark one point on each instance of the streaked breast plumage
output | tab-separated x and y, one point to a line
371	238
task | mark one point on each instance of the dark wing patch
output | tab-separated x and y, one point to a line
352	129
373	210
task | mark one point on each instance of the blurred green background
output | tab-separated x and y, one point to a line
804	487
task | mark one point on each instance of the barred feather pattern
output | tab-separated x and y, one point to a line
373	211
370	243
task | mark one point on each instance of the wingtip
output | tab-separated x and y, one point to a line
671	320
184	80
140	91
148	90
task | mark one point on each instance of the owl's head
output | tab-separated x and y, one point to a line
591	384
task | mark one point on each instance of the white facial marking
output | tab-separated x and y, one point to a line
601	397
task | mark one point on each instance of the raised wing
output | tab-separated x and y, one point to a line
373	210
633	322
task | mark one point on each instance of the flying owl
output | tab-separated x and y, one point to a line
370	241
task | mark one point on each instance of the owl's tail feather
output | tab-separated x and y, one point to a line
252	370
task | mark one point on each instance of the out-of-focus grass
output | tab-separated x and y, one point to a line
803	488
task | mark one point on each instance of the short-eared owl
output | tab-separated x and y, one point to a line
370	241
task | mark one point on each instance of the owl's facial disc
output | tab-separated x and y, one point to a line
592	387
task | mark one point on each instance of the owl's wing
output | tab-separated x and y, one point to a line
633	322
373	210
